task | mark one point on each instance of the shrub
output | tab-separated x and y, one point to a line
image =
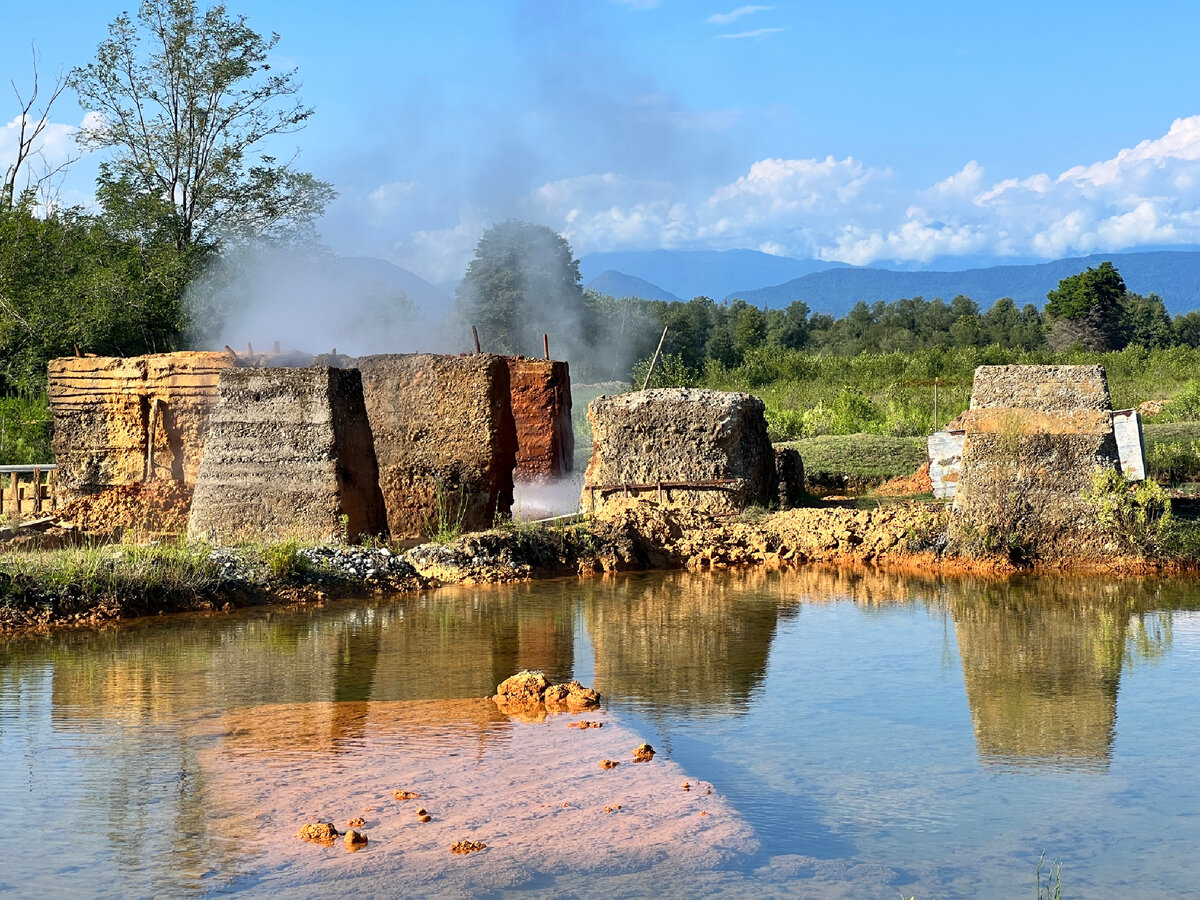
284	559
1139	515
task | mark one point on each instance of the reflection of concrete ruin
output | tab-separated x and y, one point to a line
1041	677
1034	436
688	640
288	454
703	449
119	421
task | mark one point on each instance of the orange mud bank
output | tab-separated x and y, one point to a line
625	537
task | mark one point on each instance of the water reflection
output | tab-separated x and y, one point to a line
114	724
687	640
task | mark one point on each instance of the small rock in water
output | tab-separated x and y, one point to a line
467	846
643	753
405	795
318	833
608	763
425	817
355	840
356	822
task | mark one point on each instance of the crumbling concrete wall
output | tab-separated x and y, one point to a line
445	439
112	414
709	449
541	406
1034	436
288	454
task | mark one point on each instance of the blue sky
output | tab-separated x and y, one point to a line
867	132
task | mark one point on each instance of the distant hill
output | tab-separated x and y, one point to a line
431	302
618	284
693	273
1172	274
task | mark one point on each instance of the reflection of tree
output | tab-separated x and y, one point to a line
687	640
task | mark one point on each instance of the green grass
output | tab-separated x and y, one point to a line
864	459
112	569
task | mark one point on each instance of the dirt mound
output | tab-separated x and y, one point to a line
152	507
907	485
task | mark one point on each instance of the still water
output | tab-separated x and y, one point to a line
866	735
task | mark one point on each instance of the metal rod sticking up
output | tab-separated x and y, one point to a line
654	362
475	337
546	345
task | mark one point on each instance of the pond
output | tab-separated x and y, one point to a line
841	734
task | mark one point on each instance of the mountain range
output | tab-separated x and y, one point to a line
834	288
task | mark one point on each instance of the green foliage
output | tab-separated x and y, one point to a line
71	280
1052	888
450	507
25	427
671	371
1172	462
1139	515
284	558
123	570
185	97
522	283
1184	406
1079	296
863	458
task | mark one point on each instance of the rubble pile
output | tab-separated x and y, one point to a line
143	508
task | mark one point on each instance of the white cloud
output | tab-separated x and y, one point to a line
54	146
851	211
389	197
756	33
733	15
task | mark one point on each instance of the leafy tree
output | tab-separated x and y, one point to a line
70	280
523	282
1146	321
1088	309
185	98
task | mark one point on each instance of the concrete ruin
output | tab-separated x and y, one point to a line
1034	436
119	421
541	406
686	447
288	455
445	439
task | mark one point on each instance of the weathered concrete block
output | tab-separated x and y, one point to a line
444	437
120	420
789	466
288	454
541	406
1034	436
681	436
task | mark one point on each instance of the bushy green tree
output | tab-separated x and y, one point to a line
522	283
1087	309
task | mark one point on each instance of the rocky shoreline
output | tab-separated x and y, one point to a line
908	536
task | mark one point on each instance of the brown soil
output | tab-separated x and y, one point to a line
152	507
907	485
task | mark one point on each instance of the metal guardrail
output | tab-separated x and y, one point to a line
36	494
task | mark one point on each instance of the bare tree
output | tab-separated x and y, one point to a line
32	170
